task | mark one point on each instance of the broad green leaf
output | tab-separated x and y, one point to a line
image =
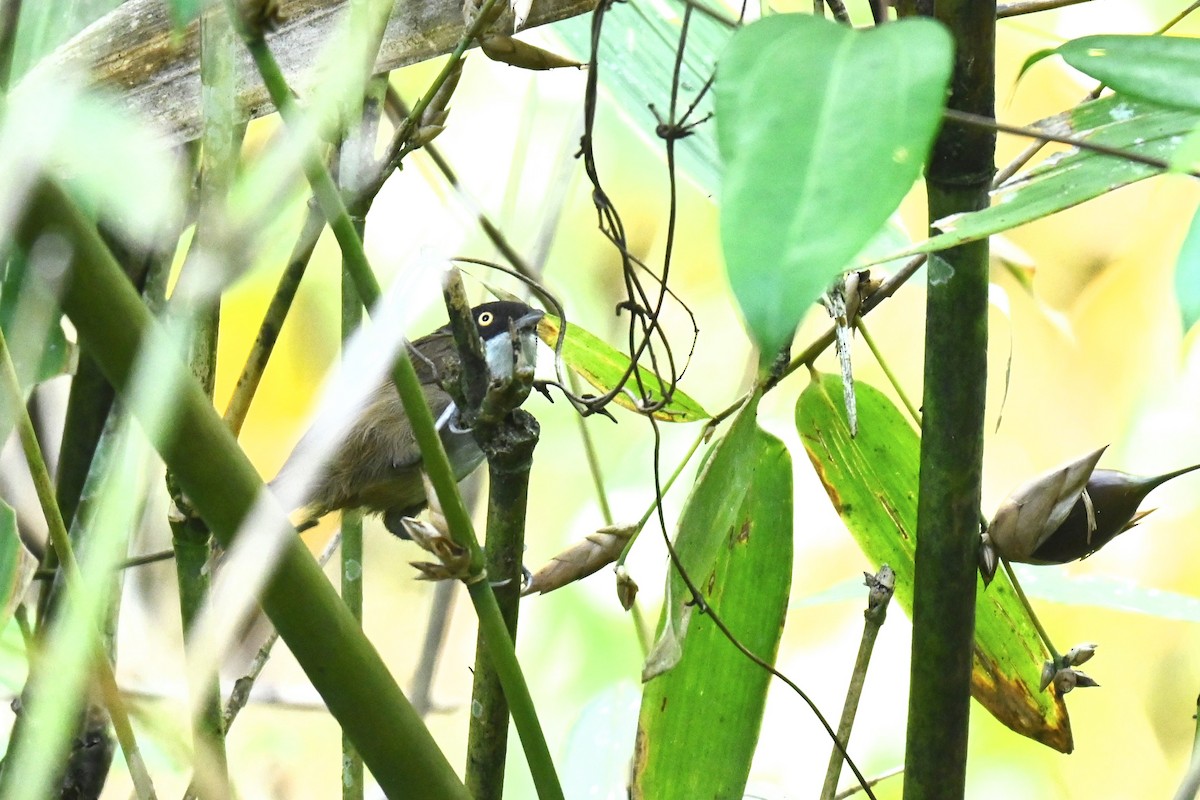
872	481
1161	69
17	564
1056	585
817	156
1187	275
1073	177
603	366
637	58
699	723
725	472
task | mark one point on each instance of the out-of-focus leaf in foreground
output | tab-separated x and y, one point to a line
805	140
872	482
17	564
1187	276
603	366
109	158
699	722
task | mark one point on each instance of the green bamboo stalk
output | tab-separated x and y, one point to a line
87	433
61	673
222	484
221	139
958	178
354	164
509	452
10	14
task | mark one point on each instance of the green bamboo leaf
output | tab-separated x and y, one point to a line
872	481
801	133
1161	69
699	723
1187	275
603	366
1068	179
17	564
44	26
637	56
182	12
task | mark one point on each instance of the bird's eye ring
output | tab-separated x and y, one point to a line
486	318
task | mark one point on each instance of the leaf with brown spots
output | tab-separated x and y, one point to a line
699	722
872	481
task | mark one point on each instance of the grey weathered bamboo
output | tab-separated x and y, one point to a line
131	50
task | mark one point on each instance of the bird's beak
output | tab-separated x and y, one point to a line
530	320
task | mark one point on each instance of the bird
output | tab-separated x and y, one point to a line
377	466
1069	513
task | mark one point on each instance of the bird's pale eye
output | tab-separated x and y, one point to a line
486	318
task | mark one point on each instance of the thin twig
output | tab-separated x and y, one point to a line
989	123
243	685
881	586
1020	7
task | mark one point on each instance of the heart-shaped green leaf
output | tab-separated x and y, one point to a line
603	366
823	130
872	481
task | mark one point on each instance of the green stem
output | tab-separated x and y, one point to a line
882	585
355	156
887	371
683	462
593	461
509	448
504	661
1037	623
46	738
958	178
273	319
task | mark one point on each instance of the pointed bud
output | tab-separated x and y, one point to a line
1048	671
627	588
1035	509
1071	511
514	52
1114	499
1079	654
989	559
1083	680
1064	681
